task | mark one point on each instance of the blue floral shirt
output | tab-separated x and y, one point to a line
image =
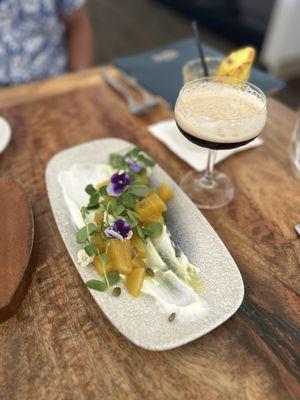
32	39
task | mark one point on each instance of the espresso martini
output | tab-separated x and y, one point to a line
217	113
220	116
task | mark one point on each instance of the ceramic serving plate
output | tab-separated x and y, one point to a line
139	319
5	134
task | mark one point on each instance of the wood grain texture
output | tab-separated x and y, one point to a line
16	238
59	345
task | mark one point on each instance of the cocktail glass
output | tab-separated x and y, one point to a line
217	113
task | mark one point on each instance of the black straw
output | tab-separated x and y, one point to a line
199	45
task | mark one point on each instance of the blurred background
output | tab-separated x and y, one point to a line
149	39
132	26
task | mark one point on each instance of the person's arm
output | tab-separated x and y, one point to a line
79	39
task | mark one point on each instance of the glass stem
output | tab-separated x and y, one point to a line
208	180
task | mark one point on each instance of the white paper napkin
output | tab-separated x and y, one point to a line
196	156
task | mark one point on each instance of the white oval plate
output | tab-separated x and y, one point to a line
5	134
140	319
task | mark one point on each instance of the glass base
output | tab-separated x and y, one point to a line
208	194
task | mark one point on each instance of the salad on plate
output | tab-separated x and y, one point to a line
121	226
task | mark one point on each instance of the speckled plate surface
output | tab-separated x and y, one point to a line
140	319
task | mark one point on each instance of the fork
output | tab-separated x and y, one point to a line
134	107
148	99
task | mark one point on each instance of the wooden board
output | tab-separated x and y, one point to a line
16	239
59	345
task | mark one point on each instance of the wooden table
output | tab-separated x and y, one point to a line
59	345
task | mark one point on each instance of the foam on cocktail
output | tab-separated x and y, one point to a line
219	112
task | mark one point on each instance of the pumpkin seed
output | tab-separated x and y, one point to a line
172	317
150	272
116	292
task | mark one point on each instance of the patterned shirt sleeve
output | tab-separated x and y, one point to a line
68	6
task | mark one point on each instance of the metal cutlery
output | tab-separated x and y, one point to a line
135	107
148	99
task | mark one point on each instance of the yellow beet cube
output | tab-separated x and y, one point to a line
138	245
98	218
154	218
134	281
138	262
99	242
153	190
151	205
98	264
119	255
165	192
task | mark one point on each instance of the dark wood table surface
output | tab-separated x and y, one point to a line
60	346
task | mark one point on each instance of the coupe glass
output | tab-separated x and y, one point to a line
213	189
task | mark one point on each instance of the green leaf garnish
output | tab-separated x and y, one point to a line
154	229
138	154
147	161
128	200
82	235
141	234
117	161
110	205
90	190
103	191
92	229
119	209
132	218
113	278
94	200
138	190
95	207
84	212
91	249
96	285
89	230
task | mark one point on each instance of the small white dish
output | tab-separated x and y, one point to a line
5	134
139	319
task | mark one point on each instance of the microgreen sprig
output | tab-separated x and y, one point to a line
116	201
153	230
84	235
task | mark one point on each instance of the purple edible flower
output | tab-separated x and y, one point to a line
109	232
119	181
120	230
134	166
